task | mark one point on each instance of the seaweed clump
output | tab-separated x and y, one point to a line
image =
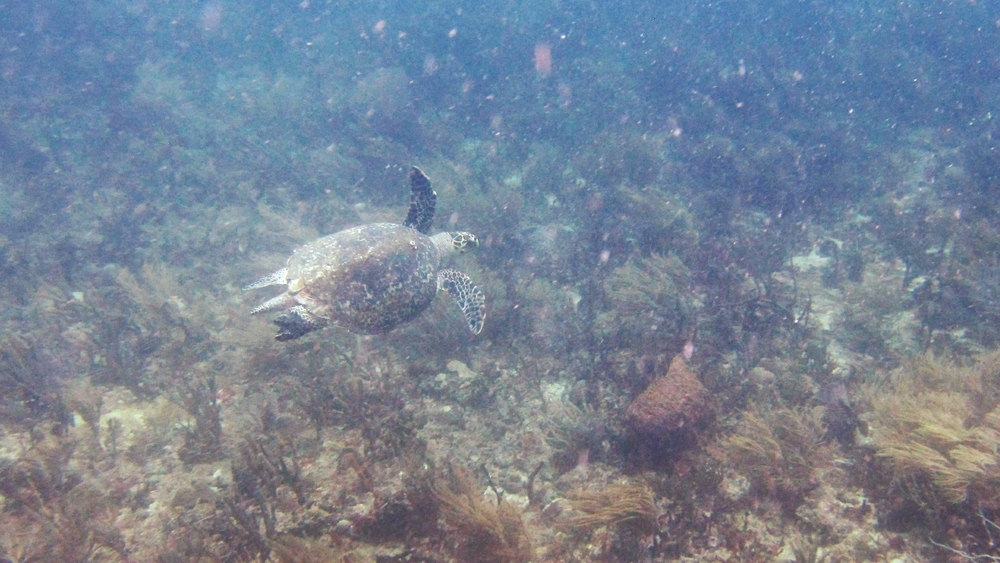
630	503
29	393
578	436
487	532
935	425
938	421
617	521
780	452
203	440
51	513
650	302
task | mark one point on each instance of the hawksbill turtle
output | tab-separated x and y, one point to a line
373	278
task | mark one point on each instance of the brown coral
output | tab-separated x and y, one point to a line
669	403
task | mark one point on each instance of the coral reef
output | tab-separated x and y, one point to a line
804	218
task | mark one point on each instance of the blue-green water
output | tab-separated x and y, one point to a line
739	262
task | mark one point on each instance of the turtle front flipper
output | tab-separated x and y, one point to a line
296	322
460	287
422	202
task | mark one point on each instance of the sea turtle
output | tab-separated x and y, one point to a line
373	278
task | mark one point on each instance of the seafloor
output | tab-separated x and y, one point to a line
744	324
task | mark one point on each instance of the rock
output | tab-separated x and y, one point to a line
669	403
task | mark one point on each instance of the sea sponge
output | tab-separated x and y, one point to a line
669	403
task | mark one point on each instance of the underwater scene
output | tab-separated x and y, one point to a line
456	281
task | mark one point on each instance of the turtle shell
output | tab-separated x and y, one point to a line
368	279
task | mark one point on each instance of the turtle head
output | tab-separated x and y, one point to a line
455	242
463	242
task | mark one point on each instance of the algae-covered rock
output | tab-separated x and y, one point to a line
458	384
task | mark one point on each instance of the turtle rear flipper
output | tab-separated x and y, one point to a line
274	278
282	301
296	322
460	287
422	202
